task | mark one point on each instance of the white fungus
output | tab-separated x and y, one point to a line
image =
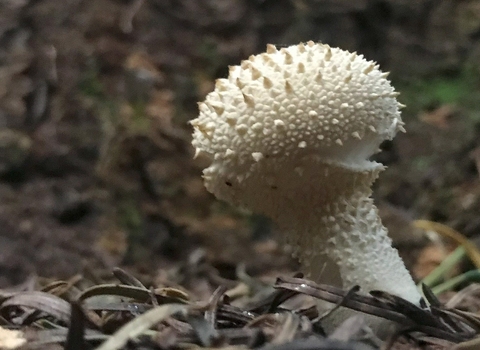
289	134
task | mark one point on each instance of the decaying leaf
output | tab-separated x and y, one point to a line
438	117
141	324
40	301
448	232
473	344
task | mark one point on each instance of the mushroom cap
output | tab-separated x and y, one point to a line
295	108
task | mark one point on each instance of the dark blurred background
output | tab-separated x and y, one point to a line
96	166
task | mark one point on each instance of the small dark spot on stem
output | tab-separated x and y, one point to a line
228	183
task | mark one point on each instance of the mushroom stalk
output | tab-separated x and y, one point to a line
344	242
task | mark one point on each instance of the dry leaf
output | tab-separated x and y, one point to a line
429	258
473	344
438	117
448	232
140	61
160	107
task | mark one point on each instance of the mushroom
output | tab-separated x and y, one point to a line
289	134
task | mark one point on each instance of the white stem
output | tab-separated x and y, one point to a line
362	252
326	213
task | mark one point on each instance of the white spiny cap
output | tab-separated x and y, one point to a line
308	99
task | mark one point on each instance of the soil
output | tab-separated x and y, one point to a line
96	166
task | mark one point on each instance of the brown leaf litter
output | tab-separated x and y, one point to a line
79	314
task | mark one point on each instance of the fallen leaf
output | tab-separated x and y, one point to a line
429	258
448	232
41	301
438	117
140	324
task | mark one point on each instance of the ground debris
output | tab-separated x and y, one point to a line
128	315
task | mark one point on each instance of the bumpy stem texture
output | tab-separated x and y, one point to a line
360	250
337	231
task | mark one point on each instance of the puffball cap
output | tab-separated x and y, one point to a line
299	101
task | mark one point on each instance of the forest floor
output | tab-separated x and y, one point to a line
96	167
